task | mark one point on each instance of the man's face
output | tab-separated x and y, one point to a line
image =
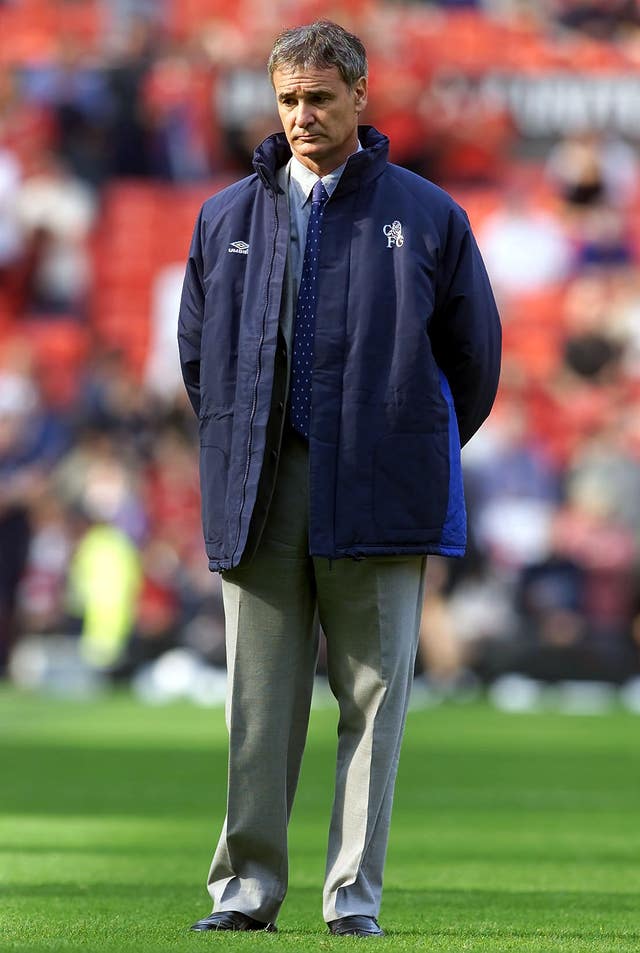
319	115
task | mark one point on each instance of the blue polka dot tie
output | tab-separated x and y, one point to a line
305	322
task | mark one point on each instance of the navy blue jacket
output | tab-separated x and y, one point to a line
406	363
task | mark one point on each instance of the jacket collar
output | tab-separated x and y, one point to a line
362	167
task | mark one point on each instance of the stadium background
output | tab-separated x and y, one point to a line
117	119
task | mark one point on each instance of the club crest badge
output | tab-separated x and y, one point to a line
393	234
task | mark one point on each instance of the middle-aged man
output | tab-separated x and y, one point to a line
339	342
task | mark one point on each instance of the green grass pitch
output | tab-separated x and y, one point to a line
510	833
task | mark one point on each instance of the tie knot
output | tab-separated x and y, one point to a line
319	194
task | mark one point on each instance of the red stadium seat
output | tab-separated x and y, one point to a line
60	346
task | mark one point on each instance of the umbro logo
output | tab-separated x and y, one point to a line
238	248
394	234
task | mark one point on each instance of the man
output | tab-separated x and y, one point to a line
339	340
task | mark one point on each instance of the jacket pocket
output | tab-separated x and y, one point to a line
215	439
411	484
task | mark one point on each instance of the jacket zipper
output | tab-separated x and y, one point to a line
254	403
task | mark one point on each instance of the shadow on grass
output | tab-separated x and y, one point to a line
45	849
105	891
66	780
419	904
443	918
482	913
159	781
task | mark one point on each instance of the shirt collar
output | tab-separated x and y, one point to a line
302	179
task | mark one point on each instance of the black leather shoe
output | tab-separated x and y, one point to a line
232	920
355	926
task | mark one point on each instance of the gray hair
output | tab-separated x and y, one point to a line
321	45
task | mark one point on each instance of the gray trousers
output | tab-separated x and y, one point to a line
370	613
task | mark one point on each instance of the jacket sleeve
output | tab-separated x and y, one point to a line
465	329
191	317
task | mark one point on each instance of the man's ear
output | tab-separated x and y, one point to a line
361	93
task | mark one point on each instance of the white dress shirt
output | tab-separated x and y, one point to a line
298	182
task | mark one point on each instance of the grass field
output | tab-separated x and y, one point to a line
511	833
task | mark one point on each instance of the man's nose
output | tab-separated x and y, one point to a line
304	115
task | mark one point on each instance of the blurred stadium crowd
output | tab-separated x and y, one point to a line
118	118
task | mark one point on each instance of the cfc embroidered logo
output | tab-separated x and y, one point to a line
394	235
238	248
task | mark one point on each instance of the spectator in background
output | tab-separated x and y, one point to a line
154	616
245	110
592	351
126	74
590	533
104	583
176	139
587	387
162	370
526	249
606	467
42	605
113	403
31	440
604	240
56	212
552	623
589	168
482	619
592	355
624	318
10	232
74	88
438	646
467	138
514	489
202	610
172	491
17	476
123	16
102	479
466	617
600	19
27	128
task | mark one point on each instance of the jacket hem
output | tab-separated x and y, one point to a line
220	565
361	552
424	549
